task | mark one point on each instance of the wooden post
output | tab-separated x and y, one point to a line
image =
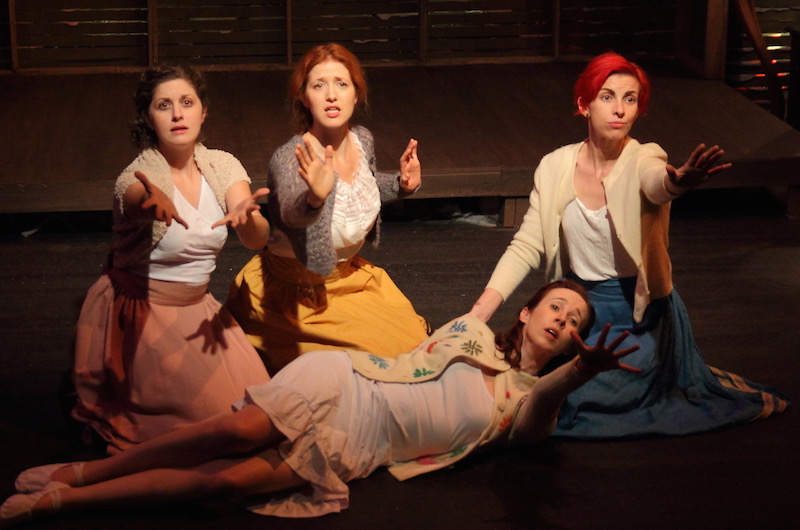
12	30
289	33
152	33
716	42
423	31
793	110
556	29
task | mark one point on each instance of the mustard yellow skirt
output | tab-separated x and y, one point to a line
286	310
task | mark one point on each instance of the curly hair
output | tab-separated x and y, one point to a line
142	134
599	69
301	116
510	341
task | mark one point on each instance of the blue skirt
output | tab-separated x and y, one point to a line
676	392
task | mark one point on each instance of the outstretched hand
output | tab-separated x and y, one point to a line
163	208
700	165
318	175
241	214
600	358
410	168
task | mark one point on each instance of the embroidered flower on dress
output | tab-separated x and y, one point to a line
506	422
421	372
472	347
458	451
458	326
431	345
380	362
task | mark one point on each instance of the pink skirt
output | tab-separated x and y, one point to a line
152	356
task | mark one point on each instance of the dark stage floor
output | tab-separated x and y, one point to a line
735	263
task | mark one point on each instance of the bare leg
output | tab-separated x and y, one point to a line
244	431
264	473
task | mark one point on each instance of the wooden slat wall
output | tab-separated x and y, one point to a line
5	37
117	33
744	71
222	31
486	28
374	30
82	33
628	27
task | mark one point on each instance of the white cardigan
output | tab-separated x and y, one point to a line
638	203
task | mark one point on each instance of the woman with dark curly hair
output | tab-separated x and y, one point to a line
154	350
330	417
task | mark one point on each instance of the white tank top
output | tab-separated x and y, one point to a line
438	416
595	251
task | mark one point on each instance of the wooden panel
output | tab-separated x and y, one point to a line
77	5
588	28
61	196
6	62
96	33
216	52
482	128
375	31
378	31
213	32
65	57
483	28
322	9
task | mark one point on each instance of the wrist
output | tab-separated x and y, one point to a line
672	186
582	369
314	201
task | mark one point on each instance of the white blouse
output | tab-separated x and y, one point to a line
190	255
356	208
595	251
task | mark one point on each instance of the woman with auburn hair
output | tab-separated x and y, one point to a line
331	417
599	215
309	289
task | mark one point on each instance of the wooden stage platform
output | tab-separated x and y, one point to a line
482	129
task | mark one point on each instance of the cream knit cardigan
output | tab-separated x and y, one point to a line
638	203
135	239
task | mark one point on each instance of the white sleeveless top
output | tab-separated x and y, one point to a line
438	416
595	251
190	256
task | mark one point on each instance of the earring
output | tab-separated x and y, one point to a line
586	113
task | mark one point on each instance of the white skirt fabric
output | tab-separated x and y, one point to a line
340	426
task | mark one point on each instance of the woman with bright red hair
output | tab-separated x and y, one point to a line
310	289
599	214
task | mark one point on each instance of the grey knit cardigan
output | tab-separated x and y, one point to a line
309	229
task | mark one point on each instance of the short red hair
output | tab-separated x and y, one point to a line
301	116
599	69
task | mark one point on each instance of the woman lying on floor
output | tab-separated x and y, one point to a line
331	417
